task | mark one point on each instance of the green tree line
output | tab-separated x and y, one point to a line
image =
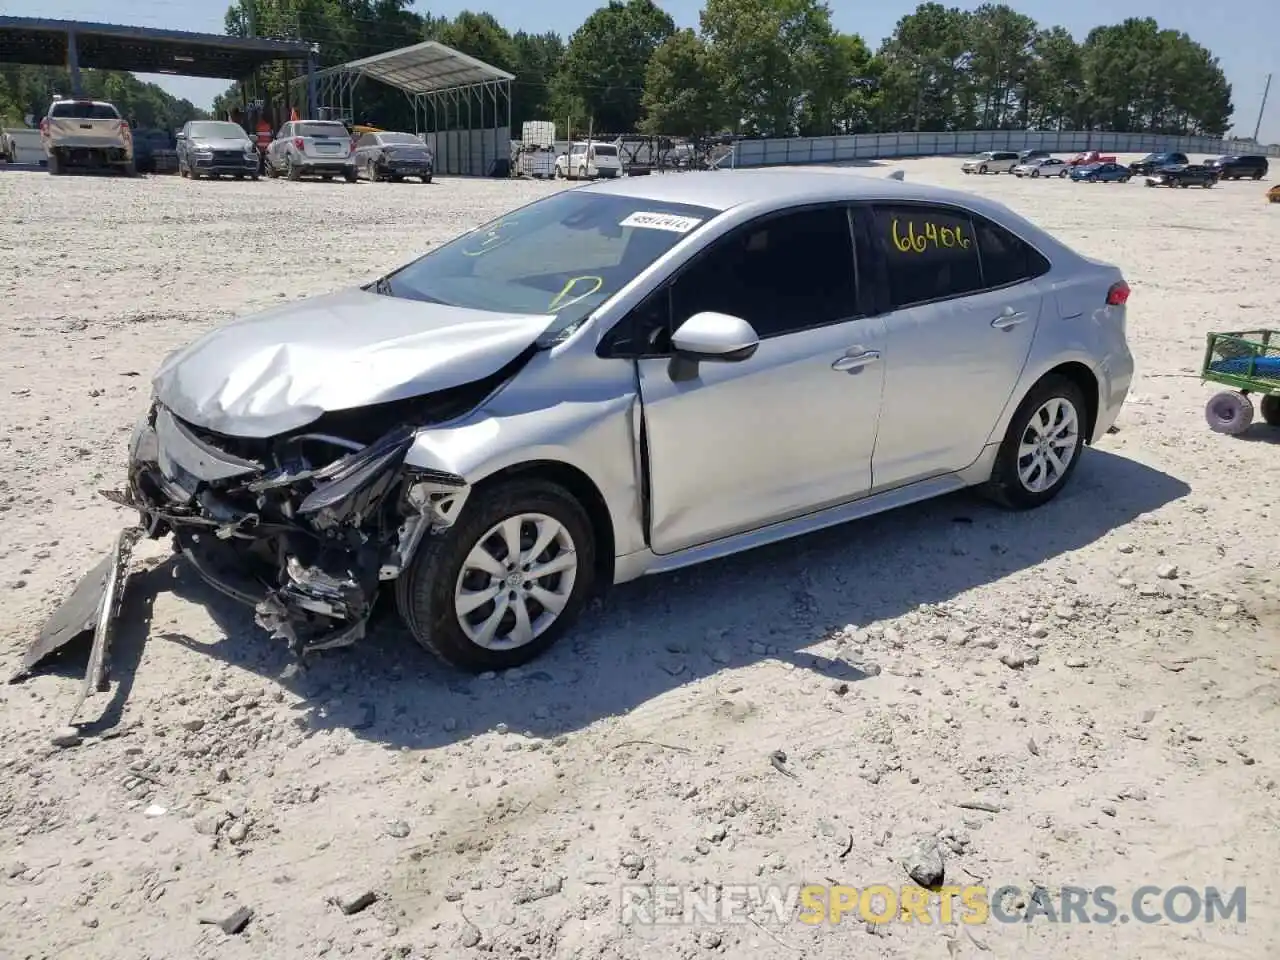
769	68
27	91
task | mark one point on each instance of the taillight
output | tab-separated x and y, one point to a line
297	143
44	125
124	129
1118	295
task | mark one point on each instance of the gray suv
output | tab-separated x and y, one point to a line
216	147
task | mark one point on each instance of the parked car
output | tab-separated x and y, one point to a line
215	148
1087	157
1042	167
1236	166
1152	161
307	148
393	156
22	145
1101	173
86	133
993	161
589	161
1183	175
1026	156
154	152
493	433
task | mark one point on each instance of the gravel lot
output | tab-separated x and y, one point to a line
501	816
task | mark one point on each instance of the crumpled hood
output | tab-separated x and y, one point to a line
273	372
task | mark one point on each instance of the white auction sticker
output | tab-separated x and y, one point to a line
661	221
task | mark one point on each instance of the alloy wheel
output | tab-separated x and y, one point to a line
515	581
1048	445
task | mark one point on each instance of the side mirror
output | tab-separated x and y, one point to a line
179	135
716	337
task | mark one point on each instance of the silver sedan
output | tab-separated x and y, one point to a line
613	381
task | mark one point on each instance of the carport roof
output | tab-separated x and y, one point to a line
428	67
107	46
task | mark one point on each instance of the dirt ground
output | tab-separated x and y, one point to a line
1133	741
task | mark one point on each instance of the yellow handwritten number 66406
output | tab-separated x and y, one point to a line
931	235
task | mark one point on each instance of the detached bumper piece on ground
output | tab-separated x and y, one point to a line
304	534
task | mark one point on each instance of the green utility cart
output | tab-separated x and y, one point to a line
1248	362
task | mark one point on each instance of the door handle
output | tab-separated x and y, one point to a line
1007	320
852	362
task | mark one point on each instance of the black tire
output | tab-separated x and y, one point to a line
1229	412
291	170
425	591
1270	409
1005	486
427	178
55	165
350	175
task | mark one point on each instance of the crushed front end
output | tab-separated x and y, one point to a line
304	527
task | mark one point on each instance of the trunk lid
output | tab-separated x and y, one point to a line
277	371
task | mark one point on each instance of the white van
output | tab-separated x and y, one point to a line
587	161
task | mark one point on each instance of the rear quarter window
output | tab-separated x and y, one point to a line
1005	257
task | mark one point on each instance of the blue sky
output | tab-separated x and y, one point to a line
1244	35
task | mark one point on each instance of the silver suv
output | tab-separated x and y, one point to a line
617	380
312	148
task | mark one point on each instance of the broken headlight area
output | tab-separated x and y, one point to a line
303	527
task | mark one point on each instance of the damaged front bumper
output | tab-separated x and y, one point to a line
304	527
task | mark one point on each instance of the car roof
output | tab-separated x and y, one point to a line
785	186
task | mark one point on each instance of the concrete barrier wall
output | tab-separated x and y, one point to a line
879	146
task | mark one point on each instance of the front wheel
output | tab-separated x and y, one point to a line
982	169
1041	447
1229	412
1034	174
501	585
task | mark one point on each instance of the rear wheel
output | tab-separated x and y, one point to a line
426	178
1229	412
1270	409
350	174
1041	447
55	165
501	585
1257	175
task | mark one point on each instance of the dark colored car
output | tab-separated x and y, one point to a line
1183	175
1236	166
153	152
1026	156
1101	173
388	155
1154	161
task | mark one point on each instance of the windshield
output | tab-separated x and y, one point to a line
400	138
217	130
320	129
84	110
563	255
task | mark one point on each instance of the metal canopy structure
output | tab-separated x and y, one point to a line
460	103
105	46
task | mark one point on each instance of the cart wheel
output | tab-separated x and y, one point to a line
1270	409
1229	412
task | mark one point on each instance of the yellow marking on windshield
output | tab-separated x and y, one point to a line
559	299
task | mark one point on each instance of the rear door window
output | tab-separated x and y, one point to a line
930	252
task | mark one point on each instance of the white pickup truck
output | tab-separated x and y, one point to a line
86	133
